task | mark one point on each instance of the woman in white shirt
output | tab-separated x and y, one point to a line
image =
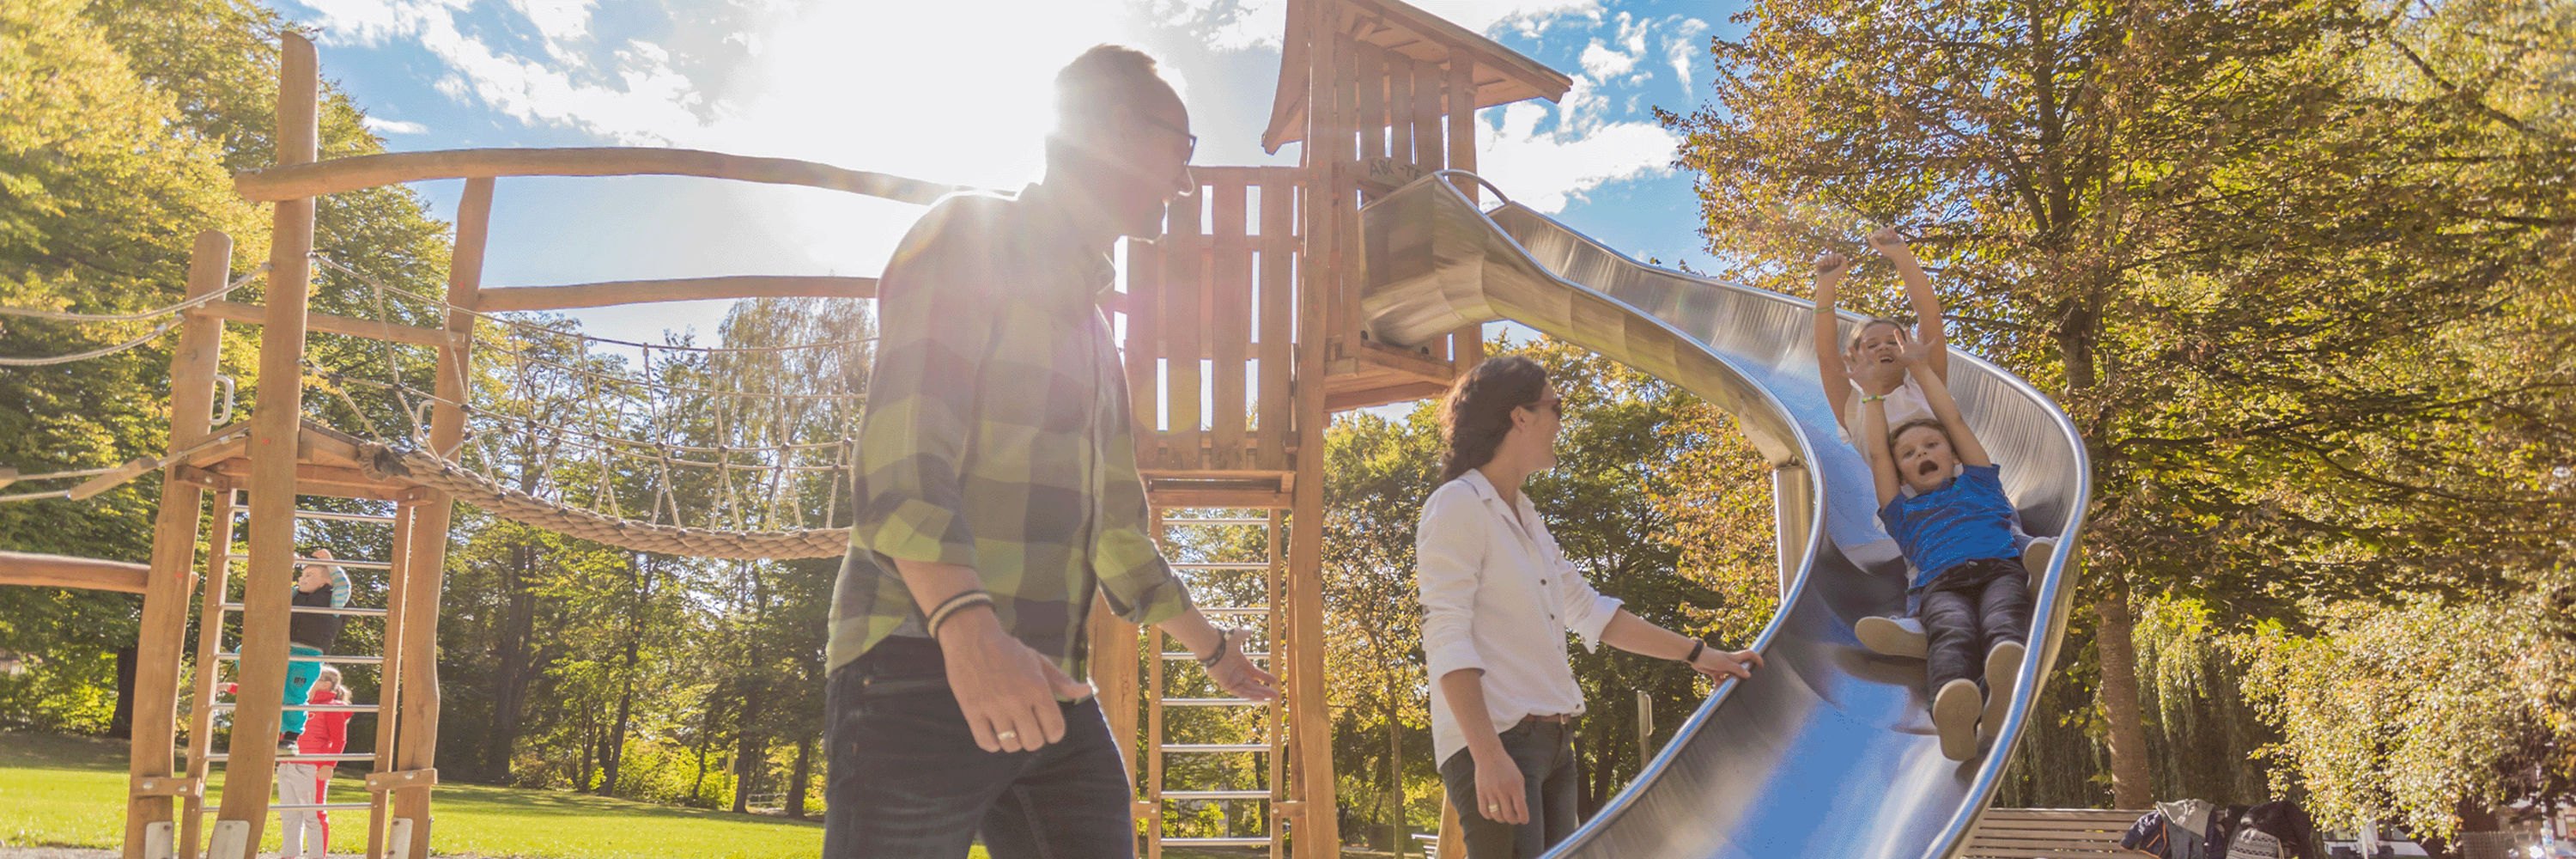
1498	599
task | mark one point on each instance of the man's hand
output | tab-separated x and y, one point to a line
1007	691
1717	665
1238	676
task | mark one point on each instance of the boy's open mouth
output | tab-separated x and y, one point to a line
1927	467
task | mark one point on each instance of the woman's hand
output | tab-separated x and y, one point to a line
1500	795
1717	665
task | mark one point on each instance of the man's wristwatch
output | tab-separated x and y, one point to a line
1224	643
1697	648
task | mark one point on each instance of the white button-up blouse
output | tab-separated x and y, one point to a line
1498	595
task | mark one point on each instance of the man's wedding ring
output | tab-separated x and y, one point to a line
1006	735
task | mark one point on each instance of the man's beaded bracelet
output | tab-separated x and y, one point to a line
1224	642
951	606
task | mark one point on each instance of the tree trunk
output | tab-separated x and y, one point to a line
614	756
2130	788
1395	828
747	763
804	773
515	667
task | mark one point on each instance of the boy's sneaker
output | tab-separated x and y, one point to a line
1892	636
286	743
2003	670
1954	715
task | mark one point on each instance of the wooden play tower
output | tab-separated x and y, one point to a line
1244	333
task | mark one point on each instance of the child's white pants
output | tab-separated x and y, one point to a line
305	833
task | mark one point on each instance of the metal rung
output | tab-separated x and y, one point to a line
1215	748
343	660
1177	655
1221	565
1213	702
1215	794
1218	842
1213	522
344	517
243	557
213	806
309	708
318	609
220	757
1250	609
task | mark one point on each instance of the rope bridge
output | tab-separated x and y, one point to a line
739	451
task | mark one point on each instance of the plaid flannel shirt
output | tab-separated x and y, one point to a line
997	435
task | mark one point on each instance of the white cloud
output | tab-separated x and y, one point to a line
367	23
1684	48
1602	63
392	126
1549	169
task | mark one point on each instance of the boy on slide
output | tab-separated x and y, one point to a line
1941	497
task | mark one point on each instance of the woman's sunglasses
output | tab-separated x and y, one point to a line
1554	404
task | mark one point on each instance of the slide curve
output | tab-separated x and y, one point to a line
1828	752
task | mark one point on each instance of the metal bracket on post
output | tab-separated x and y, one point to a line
398	841
160	840
231	840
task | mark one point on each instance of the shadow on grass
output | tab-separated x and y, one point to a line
563	804
52	752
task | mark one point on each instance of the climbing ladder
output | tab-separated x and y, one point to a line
211	655
1162	694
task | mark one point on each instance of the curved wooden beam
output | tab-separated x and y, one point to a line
64	571
495	300
290	182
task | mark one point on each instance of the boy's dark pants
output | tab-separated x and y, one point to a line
1544	752
908	782
1969	609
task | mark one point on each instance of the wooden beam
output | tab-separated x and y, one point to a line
64	571
327	323
248	773
210	615
676	289
162	635
291	181
1317	831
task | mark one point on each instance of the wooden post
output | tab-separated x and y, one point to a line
1469	348
1113	678
1278	318
174	546
274	429
1328	141
425	561
1453	838
210	640
1184	324
1145	349
1230	325
389	674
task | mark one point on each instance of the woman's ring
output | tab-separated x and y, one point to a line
1006	735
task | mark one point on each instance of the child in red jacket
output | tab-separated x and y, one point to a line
304	782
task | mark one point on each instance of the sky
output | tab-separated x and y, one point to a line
953	91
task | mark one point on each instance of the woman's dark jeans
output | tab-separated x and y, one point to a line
1544	751
908	782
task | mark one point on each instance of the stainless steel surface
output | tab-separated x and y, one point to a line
1828	752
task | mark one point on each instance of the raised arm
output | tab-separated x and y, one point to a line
1830	268
1928	326
1882	459
1936	393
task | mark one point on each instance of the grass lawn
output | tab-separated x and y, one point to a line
66	792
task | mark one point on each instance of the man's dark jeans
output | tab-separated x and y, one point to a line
1544	751
908	782
1969	609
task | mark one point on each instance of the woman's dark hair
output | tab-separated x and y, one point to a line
1478	411
1933	424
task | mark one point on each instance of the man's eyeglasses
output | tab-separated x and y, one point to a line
1183	132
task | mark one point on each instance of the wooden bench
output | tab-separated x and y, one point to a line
2049	833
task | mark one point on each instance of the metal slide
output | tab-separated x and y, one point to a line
1828	752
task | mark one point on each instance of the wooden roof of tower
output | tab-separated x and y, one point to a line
1503	76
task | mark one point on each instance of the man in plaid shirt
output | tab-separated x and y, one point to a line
997	492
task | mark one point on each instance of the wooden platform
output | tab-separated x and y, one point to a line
2049	833
328	462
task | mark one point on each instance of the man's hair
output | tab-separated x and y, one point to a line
1091	87
1928	423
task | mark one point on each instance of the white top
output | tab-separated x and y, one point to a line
1498	595
1903	404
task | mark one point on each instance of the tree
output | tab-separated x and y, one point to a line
2252	247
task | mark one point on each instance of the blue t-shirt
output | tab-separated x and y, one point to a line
1965	519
